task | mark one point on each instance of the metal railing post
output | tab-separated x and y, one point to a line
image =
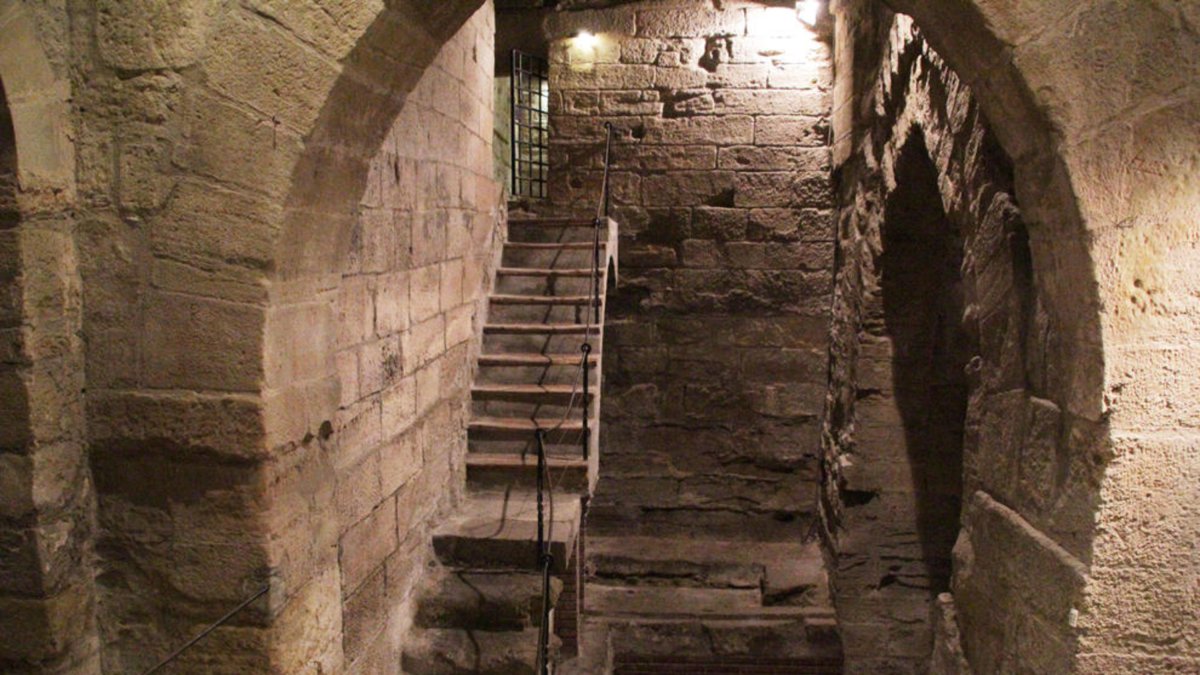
587	436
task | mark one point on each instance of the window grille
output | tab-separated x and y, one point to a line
530	125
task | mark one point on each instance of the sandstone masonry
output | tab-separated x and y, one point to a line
716	352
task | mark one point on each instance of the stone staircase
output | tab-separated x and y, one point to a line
698	605
480	611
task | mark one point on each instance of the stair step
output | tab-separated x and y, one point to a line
639	610
544	272
487	471
544	300
551	222
683	601
540	328
536	393
552	246
789	573
714	640
605	567
533	359
440	651
498	531
524	428
491	601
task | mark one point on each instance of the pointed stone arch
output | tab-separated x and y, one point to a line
1105	137
46	601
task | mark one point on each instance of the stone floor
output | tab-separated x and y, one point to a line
686	604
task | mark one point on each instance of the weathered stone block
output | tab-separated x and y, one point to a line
425	289
788	128
364	615
244	45
146	35
712	188
771	102
755	158
690	22
41	629
568	24
618	76
366	544
725	130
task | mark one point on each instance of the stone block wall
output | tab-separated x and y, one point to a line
1003	430
715	351
47	603
253	418
409	306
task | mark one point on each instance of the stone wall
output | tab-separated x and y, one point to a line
47	604
409	305
1027	500
715	351
266	406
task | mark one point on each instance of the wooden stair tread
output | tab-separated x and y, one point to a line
552	222
534	359
544	272
552	246
526	390
543	300
515	461
504	471
537	328
524	424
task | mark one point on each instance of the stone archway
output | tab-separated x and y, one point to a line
1102	177
215	251
46	600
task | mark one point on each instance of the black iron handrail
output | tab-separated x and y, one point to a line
545	560
602	214
204	633
602	210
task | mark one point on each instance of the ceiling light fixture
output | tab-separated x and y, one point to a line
586	40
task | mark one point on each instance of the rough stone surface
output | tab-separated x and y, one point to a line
47	605
200	166
943	380
715	350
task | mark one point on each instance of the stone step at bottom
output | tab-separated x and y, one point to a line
487	601
498	531
716	639
723	666
787	573
607	600
439	651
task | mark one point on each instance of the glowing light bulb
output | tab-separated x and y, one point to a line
586	40
808	11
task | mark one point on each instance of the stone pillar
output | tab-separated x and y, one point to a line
47	613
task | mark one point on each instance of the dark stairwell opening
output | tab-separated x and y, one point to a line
922	304
9	214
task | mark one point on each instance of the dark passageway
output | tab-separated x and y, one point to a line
922	314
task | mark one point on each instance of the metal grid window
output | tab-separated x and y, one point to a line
530	125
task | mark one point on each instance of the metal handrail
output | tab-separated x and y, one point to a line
543	653
545	559
602	210
602	214
204	633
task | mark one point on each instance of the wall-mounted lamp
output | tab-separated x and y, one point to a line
808	12
586	40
